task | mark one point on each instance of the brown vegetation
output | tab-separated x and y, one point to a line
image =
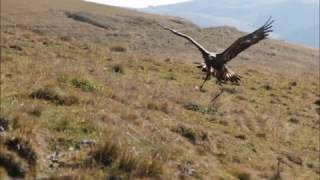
67	84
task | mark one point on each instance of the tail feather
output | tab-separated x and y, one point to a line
226	74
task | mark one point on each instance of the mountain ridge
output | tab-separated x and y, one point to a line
214	13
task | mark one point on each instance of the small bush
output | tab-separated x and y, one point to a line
84	85
118	48
62	78
52	96
35	111
163	107
192	135
148	167
192	106
16	47
293	83
127	162
198	108
111	154
241	174
23	148
107	154
186	170
208	110
267	87
294	158
4	124
117	68
14	167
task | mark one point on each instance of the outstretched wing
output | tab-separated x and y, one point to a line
199	46
247	41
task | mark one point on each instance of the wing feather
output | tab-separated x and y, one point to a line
248	40
203	50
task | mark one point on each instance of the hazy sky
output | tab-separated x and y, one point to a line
146	3
137	3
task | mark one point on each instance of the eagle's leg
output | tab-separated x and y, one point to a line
219	94
206	78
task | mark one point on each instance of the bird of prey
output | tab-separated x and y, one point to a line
215	63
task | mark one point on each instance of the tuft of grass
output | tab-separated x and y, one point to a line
115	155
117	68
23	148
107	154
191	134
186	169
118	48
149	167
198	108
162	107
6	57
35	111
84	84
267	87
69	132
51	96
4	124
15	167
241	174
62	78
127	162
16	47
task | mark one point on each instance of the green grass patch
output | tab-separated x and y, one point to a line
85	85
69	132
201	109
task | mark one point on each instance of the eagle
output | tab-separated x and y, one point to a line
215	64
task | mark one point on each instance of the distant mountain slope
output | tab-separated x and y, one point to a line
294	16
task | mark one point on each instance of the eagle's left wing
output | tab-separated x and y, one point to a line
247	41
203	50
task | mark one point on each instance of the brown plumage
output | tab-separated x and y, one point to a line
215	63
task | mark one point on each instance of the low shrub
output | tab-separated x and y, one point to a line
53	97
84	85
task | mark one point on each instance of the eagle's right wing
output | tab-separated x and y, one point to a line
204	51
248	40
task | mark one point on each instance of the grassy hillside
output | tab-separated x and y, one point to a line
95	91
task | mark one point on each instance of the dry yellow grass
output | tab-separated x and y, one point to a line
65	89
